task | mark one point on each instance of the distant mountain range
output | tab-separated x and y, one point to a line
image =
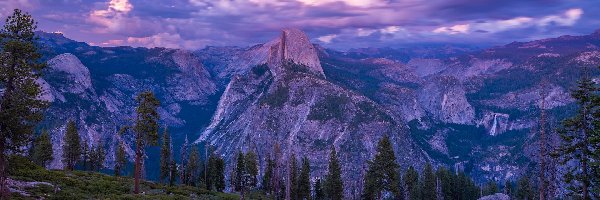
471	109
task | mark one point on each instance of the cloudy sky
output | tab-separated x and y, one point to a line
337	24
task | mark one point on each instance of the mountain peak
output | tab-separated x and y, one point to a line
294	45
597	32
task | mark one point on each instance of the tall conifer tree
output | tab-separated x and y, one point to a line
428	182
42	149
72	148
581	140
304	180
20	107
382	175
333	184
165	157
145	130
120	159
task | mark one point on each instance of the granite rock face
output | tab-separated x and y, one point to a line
288	102
96	88
477	111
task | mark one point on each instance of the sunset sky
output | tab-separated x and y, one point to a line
340	24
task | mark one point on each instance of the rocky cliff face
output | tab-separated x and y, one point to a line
477	111
287	101
96	88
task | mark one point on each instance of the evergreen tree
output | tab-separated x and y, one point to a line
193	167
490	188
184	155
216	173
251	169
446	181
318	187
304	182
72	148
428	183
165	157
334	185
439	194
220	174
524	189
578	151
145	131
97	158
382	175
267	185
42	149
240	171
465	187
411	181
173	173
20	107
293	177
120	159
86	154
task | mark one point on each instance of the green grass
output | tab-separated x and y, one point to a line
91	185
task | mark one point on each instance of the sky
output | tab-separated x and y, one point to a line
338	24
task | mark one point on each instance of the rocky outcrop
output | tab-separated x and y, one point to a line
287	102
444	98
71	68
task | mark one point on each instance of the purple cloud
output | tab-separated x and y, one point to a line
340	24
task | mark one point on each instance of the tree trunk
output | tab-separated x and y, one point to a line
137	170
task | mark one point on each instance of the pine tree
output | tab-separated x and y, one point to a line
382	175
97	157
318	187
20	107
120	159
411	180
428	182
524	189
145	131
446	181
251	169
72	148
465	187
173	173
490	188
42	149
580	139
267	185
239	172
216	173
193	167
304	180
439	194
334	185
86	154
220	174
165	157
293	178
184	161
